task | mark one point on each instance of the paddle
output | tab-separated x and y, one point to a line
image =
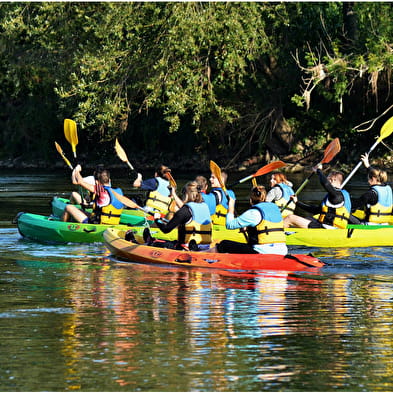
122	154
60	150
216	171
261	171
386	130
171	180
330	152
71	134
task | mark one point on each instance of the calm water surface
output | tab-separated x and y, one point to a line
74	319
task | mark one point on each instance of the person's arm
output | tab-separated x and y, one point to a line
179	201
249	218
77	177
370	197
182	216
309	208
126	201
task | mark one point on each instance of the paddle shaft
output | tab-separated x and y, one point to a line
359	165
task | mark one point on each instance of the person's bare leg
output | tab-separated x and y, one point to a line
73	211
293	220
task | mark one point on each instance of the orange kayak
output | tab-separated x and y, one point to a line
125	250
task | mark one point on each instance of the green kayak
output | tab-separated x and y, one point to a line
50	230
128	216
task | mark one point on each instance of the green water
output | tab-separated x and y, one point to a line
74	319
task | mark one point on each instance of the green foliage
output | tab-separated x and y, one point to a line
222	75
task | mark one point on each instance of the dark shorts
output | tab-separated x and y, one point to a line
314	223
229	246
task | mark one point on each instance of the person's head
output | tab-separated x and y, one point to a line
98	170
277	178
191	192
162	170
257	195
215	182
335	178
202	182
377	175
104	177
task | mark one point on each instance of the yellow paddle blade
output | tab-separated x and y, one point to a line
216	170
71	134
386	129
60	150
122	154
120	151
254	182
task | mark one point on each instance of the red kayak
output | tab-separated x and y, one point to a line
125	250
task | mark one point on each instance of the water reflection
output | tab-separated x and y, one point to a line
72	318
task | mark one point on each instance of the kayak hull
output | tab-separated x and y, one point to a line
128	216
354	236
131	252
48	230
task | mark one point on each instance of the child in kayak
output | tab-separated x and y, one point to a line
263	224
217	200
159	197
375	205
192	220
280	193
334	210
108	202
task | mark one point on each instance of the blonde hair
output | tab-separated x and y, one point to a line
258	194
192	193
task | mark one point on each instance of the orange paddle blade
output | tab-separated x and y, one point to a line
331	151
269	168
171	179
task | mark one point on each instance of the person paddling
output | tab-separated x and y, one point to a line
108	202
334	210
376	203
159	197
217	200
192	220
280	193
264	226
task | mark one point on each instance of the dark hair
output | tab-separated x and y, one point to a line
162	170
258	194
104	176
99	169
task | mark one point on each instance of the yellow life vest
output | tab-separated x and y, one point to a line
271	227
109	214
220	215
340	214
159	202
381	212
200	227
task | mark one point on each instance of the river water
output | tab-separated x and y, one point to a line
74	319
